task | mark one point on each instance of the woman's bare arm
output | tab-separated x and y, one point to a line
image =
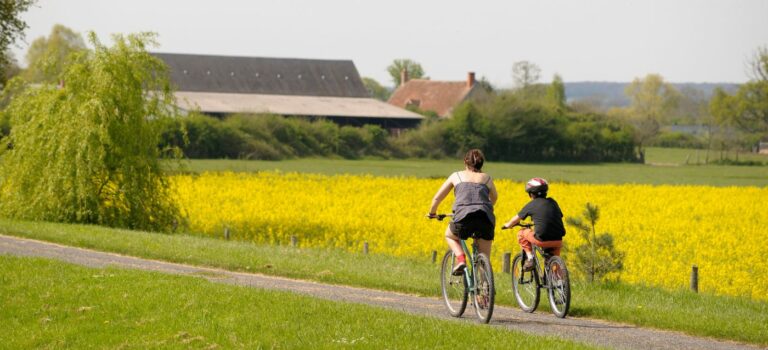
441	194
494	195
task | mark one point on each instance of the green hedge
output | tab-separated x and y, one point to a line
506	127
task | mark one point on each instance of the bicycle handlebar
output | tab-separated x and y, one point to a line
439	217
529	225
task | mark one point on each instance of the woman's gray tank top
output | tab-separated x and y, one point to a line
472	197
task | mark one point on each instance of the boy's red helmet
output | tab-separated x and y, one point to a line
537	186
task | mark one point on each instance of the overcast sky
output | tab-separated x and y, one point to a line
606	40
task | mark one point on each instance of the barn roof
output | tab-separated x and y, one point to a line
320	106
262	75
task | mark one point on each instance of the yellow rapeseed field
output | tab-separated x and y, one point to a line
663	230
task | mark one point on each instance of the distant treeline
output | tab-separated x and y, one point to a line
508	127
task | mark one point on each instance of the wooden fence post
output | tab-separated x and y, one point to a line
505	262
226	233
294	242
365	248
695	279
434	256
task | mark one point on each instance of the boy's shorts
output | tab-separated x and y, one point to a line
474	223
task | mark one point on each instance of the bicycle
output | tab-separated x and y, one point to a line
477	281
549	271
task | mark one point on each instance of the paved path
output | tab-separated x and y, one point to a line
596	332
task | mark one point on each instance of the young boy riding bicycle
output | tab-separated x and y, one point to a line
547	220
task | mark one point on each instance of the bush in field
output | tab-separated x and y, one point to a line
677	140
597	257
201	136
273	137
87	152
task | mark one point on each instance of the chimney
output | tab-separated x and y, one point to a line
470	79
403	76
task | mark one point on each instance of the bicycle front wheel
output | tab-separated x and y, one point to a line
559	286
525	285
485	290
454	288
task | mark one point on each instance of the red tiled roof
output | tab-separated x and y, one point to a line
438	96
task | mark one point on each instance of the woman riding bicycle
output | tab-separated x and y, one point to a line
547	220
472	209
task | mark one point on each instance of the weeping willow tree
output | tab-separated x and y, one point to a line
84	150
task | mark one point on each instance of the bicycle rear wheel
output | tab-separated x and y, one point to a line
485	290
559	286
454	288
525	285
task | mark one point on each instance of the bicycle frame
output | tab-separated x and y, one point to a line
470	269
539	266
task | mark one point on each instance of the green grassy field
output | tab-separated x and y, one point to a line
50	304
697	314
682	156
670	169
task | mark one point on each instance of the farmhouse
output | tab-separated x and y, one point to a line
440	97
330	89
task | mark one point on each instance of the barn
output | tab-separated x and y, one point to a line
311	88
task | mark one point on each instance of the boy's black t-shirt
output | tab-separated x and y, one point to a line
547	218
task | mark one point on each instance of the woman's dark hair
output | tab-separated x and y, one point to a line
474	160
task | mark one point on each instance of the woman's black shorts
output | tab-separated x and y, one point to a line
475	222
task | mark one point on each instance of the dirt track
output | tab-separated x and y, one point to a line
584	330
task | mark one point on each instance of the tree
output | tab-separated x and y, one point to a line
376	90
691	107
87	152
556	93
47	57
652	100
397	67
11	30
746	110
752	97
486	85
467	128
9	69
525	73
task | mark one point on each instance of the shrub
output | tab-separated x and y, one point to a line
597	257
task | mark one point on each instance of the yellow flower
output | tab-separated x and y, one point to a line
663	230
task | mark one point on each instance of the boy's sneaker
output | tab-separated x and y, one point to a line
528	266
458	270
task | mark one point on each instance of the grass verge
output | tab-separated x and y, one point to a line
697	314
50	304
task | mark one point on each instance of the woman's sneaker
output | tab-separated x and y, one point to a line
458	270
